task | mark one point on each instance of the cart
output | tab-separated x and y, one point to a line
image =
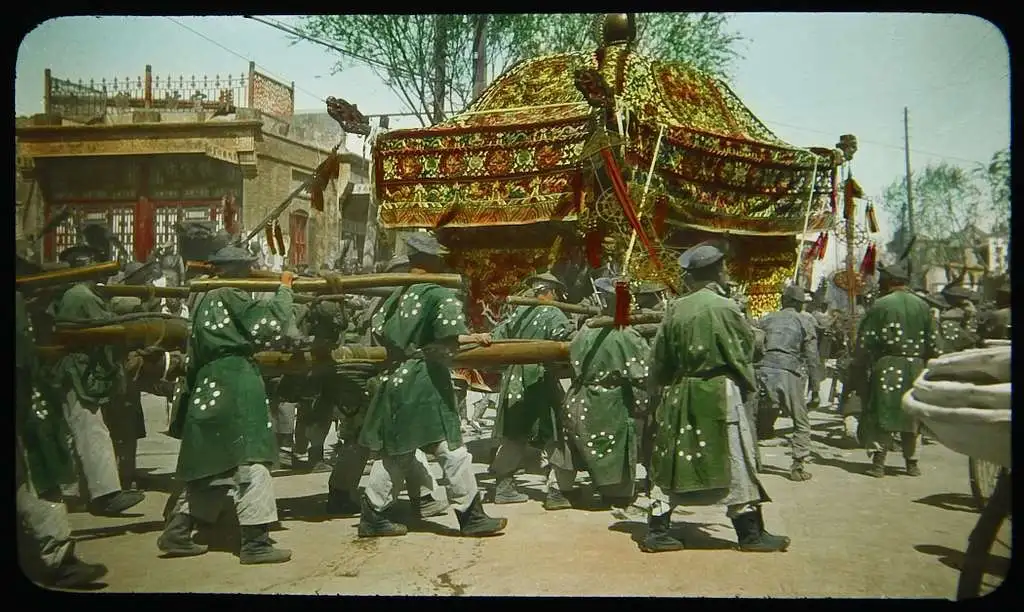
964	400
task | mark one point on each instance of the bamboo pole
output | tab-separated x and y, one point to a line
66	276
634	319
145	292
335	283
169	334
519	300
499	354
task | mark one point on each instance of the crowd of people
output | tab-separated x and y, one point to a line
672	411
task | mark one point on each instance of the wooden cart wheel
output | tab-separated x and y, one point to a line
983	476
983	537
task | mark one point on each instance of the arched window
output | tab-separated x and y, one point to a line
297	253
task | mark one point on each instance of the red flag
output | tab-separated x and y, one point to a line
824	246
324	173
270	239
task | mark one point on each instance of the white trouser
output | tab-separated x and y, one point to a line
47	525
93	446
250	486
383	486
348	471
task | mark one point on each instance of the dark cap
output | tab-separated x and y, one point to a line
80	255
649	288
136	278
547	279
936	300
701	256
605	285
425	243
956	291
232	255
795	293
894	271
397	262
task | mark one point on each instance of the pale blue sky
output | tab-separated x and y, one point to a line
809	76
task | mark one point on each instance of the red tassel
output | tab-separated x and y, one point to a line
270	239
593	247
660	217
324	173
812	253
279	236
623	300
867	265
824	246
872	219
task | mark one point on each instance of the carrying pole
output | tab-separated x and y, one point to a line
910	189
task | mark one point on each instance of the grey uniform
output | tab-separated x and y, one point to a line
790	345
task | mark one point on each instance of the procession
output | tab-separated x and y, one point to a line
581	327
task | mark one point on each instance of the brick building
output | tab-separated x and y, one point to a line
141	155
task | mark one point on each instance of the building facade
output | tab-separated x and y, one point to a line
142	160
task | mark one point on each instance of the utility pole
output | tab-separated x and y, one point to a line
910	190
480	56
440	72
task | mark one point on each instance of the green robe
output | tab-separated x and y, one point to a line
894	341
412	403
222	416
95	374
530	394
39	423
955	335
610	372
704	341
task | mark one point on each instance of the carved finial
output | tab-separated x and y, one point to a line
615	28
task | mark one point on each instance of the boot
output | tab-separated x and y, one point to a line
115	503
373	524
877	468
75	573
556	500
315	460
257	549
506	492
474	522
797	473
658	538
427	506
912	468
176	540
339	503
752	536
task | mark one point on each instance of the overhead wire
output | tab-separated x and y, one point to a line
248	59
357	56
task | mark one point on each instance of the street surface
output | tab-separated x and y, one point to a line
853	536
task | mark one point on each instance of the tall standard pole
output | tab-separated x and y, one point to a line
480	56
910	189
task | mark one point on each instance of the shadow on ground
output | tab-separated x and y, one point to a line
995	565
694	536
959	502
97	533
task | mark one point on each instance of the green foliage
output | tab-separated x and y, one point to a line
400	49
952	206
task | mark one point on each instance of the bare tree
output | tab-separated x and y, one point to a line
428	58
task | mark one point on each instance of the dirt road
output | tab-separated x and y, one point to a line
853	536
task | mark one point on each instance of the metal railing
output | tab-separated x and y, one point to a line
93	98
